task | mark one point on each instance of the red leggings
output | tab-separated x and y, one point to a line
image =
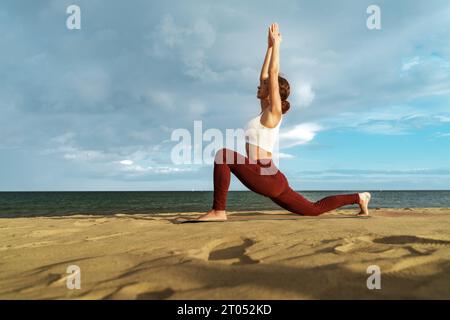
264	178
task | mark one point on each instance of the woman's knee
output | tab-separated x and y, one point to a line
294	203
314	210
229	157
272	193
222	155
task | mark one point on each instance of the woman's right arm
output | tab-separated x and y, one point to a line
274	69
265	68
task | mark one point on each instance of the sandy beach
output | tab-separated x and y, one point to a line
254	255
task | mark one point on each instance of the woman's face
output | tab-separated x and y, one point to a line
263	89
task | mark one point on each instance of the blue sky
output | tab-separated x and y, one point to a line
94	109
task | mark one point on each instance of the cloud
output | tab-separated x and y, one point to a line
162	99
126	162
282	155
115	90
371	179
299	134
92	85
76	154
189	44
410	63
442	118
388	172
443	134
196	107
383	128
140	170
140	163
303	95
391	120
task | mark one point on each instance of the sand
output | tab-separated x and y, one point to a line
254	255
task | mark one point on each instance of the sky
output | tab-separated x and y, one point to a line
95	108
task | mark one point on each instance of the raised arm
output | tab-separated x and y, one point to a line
265	68
274	70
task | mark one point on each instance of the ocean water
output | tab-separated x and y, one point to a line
24	204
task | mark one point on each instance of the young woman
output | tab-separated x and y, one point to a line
257	170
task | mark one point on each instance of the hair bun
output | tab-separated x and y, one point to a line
285	106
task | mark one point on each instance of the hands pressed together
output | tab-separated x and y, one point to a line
274	36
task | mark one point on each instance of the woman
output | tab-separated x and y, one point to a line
256	170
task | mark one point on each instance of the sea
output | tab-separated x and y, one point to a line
28	204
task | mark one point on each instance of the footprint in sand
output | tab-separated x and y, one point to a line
413	244
403	255
230	251
350	245
421	251
234	254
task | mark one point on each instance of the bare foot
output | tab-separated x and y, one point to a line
364	199
214	215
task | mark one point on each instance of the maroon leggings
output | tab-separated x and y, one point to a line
264	178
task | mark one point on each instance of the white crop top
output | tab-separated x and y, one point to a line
261	136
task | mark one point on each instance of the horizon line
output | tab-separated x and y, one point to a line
373	190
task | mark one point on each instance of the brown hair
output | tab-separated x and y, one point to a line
285	90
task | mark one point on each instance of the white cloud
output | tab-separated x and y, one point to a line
136	162
410	63
92	84
64	138
443	118
163	99
394	120
201	33
303	94
299	134
196	108
138	169
126	162
383	128
77	154
282	155
189	44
